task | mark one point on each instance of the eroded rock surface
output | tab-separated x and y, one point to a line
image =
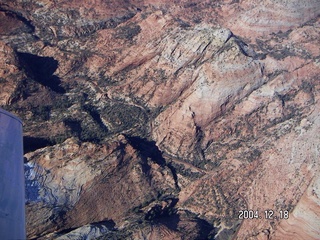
162	120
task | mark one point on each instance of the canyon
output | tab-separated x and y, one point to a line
166	119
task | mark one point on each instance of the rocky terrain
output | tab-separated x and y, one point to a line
166	119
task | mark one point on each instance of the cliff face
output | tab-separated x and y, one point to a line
161	120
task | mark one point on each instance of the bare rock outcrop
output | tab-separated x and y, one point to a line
254	19
87	183
9	75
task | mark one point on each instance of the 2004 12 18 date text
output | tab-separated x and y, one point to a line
266	214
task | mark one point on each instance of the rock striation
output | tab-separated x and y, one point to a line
165	120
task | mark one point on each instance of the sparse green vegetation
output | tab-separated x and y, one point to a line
307	86
128	32
123	116
41	113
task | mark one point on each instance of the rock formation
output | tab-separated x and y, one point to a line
166	120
